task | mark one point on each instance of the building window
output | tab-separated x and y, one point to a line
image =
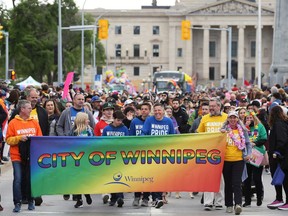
155	50
253	74
156	30
234	48
253	48
212	49
136	71
179	52
136	50
211	73
136	30
118	30
118	50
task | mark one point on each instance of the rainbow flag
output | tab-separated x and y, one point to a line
91	165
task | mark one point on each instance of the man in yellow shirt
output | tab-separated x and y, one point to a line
212	123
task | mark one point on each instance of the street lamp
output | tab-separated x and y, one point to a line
82	48
149	81
259	44
60	72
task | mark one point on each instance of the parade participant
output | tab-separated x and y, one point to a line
180	115
53	115
213	123
238	149
278	153
19	129
258	137
135	130
241	113
196	122
82	128
67	117
96	108
39	114
169	114
116	128
157	125
106	119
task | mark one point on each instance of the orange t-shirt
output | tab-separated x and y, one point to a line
17	128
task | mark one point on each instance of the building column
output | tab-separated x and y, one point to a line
241	46
223	52
206	62
172	47
189	55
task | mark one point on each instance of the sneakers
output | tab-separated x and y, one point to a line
66	197
208	207
177	196
38	201
283	207
112	203
238	209
246	205
191	195
218	207
79	204
88	199
144	203
229	209
31	206
136	201
120	202
1	208
159	203
259	202
17	207
275	204
105	199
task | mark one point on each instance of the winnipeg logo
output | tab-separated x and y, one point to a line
117	179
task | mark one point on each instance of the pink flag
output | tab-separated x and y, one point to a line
68	81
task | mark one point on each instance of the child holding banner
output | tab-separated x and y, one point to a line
238	150
116	128
82	128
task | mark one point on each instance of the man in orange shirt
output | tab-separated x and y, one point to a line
19	129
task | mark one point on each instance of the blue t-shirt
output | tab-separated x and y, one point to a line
136	126
157	128
73	113
110	130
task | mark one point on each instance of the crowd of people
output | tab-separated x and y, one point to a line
251	118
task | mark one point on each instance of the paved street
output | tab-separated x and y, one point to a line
56	206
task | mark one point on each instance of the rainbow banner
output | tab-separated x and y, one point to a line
83	165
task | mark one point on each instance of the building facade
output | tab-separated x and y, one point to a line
146	40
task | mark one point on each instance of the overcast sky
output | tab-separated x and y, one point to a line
111	4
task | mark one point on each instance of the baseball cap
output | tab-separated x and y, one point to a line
233	113
244	100
127	102
107	106
95	99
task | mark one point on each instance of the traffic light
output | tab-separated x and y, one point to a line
186	30
1	32
13	75
103	29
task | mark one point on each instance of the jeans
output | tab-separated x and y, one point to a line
232	172
18	170
254	173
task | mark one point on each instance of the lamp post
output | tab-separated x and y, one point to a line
259	44
149	81
82	48
60	72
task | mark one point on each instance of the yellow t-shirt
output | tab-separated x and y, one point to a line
232	151
211	123
34	115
